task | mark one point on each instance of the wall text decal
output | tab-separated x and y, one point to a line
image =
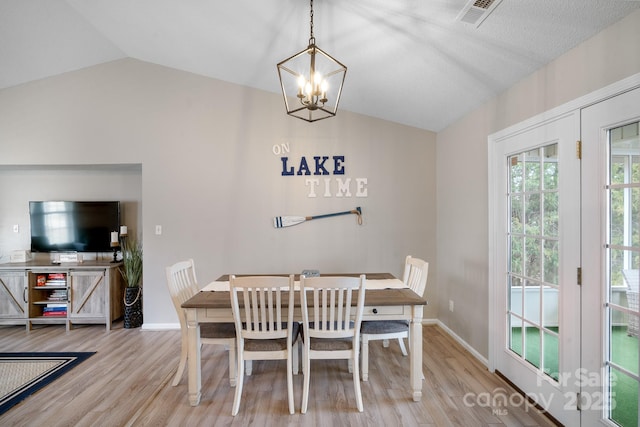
341	188
319	161
322	166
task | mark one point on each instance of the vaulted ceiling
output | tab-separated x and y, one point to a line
413	62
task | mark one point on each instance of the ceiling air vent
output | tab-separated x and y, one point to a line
476	11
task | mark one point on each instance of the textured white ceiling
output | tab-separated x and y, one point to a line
409	61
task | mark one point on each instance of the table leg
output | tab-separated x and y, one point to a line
416	353
193	357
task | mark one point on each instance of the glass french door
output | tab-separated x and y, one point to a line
536	227
565	261
533	245
611	259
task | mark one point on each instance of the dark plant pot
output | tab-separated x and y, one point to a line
132	307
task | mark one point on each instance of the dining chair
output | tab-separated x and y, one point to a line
330	329
182	282
264	330
415	275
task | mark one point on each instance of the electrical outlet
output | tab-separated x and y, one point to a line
158	230
450	305
16	228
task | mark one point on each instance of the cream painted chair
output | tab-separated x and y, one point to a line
264	330
415	277
182	282
329	329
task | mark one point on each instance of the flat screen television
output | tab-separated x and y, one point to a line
72	226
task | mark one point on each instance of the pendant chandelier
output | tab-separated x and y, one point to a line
311	81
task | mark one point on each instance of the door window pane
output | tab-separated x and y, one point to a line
624	399
623	348
551	255
517	253
516	173
515	334
623	251
517	209
551	167
515	296
532	214
551	214
532	302
551	318
532	345
533	258
532	170
532	254
551	354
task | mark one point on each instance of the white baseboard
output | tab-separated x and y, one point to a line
160	326
464	344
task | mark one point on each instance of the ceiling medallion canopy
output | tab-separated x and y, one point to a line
311	81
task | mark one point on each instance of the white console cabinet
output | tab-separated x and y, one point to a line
71	293
13	296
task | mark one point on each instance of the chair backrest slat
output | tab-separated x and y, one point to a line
182	283
415	274
326	302
260	316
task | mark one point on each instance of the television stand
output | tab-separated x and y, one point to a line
37	292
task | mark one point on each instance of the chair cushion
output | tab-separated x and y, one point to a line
271	344
384	326
217	330
331	344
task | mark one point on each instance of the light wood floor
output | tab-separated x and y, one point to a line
128	382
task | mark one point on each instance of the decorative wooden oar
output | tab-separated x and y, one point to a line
288	221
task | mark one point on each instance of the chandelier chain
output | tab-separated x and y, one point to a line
312	39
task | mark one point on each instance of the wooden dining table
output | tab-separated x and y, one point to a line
394	303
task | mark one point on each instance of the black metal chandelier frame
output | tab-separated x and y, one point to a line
311	89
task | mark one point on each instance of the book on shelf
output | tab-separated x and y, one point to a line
41	280
57	297
56	305
54	310
56	279
55	313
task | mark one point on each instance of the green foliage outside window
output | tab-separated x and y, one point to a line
534	215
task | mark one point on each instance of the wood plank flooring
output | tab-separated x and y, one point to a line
128	383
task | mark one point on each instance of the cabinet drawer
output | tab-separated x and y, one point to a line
383	310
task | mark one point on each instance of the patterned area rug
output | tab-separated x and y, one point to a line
22	374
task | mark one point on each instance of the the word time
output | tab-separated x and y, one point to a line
325	166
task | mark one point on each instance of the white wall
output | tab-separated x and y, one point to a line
462	187
210	177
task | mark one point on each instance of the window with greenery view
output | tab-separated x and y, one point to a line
533	257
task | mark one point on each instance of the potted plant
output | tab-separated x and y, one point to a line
131	271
